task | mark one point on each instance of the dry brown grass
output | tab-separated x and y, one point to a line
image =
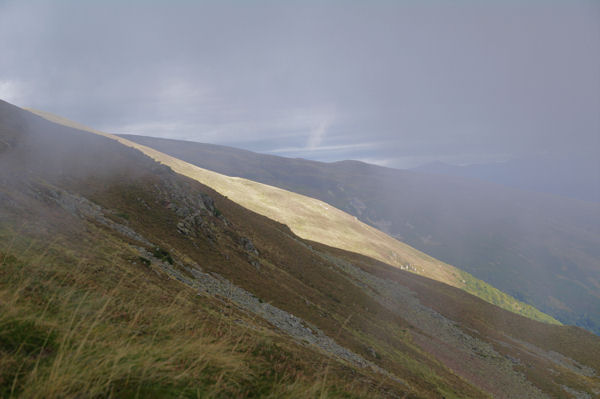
68	332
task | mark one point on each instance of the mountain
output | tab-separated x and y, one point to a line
122	278
541	249
317	221
571	178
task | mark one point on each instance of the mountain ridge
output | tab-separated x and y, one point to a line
315	220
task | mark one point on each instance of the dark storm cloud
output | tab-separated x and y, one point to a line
398	83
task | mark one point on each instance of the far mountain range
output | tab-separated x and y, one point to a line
571	178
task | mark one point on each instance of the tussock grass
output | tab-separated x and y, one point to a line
73	340
67	333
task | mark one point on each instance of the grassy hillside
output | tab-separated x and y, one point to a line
121	278
318	221
119	332
540	249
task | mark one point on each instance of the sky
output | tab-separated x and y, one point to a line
396	83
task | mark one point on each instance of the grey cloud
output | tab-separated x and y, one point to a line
465	81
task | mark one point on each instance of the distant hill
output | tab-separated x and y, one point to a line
542	249
122	278
573	178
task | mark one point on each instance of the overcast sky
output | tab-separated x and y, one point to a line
398	83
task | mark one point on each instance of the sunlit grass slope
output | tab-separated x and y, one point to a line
318	221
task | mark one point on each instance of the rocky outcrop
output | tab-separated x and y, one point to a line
179	200
192	224
248	246
196	213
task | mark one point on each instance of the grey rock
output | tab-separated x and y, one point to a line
248	245
217	286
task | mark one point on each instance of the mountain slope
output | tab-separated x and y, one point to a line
541	249
315	220
121	278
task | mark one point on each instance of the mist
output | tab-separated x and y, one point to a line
335	199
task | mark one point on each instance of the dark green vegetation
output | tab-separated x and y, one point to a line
98	305
542	250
